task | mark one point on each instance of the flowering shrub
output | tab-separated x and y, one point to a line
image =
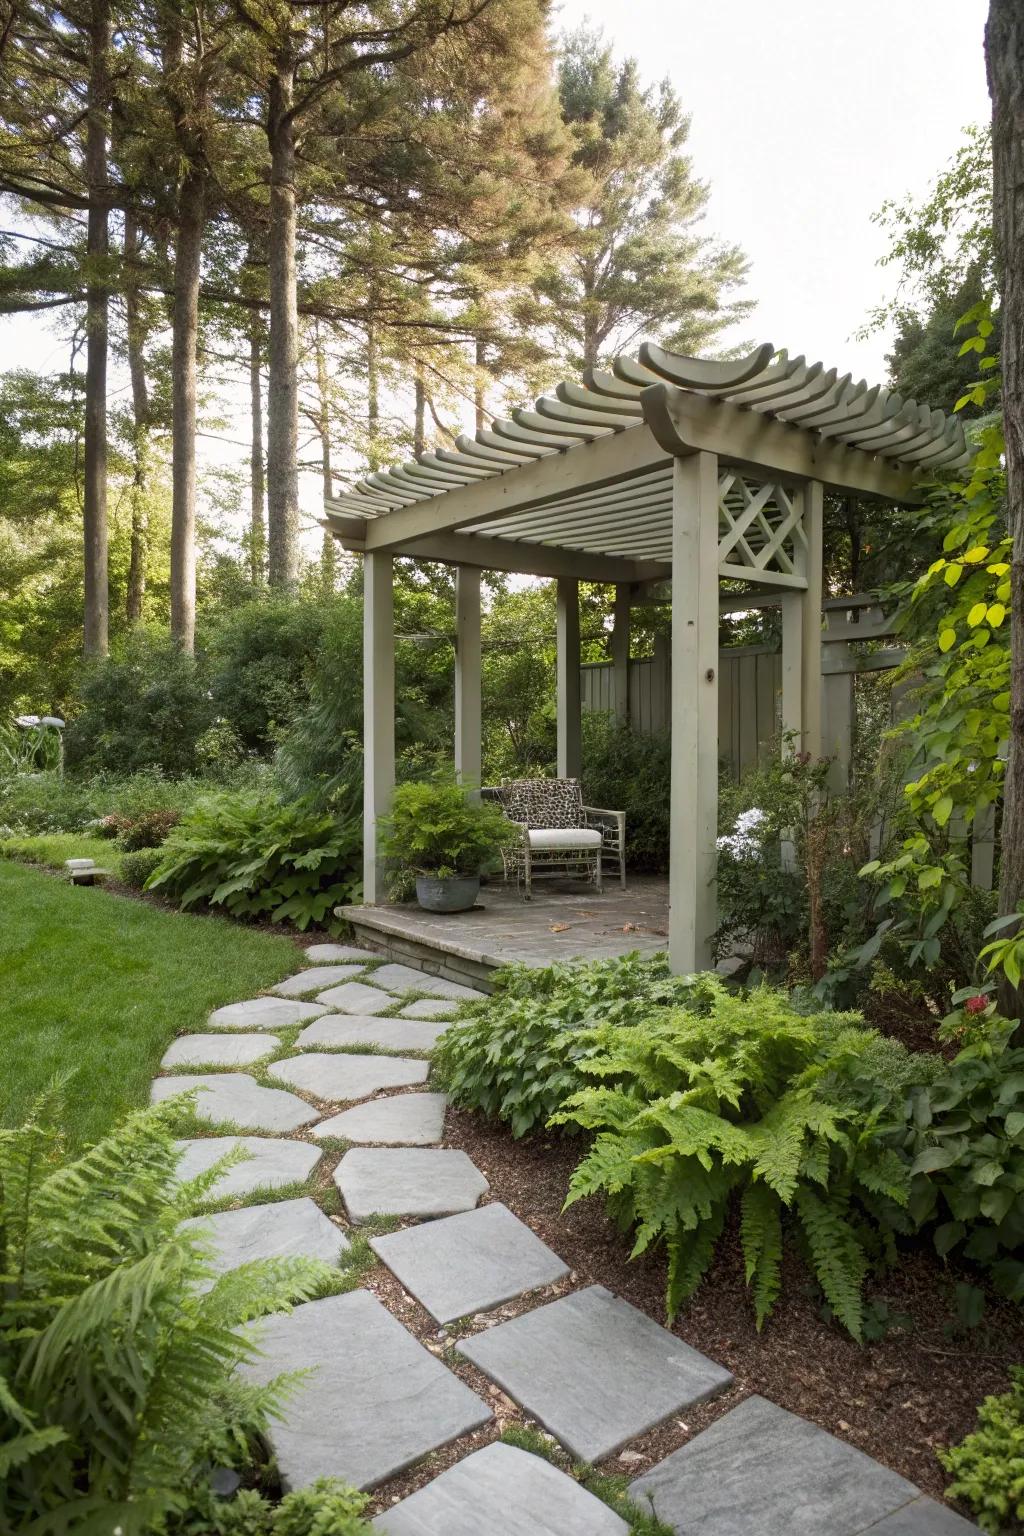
760	901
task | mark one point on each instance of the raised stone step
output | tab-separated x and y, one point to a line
355	1029
285	1229
238	1099
405	978
270	1162
343	1076
264	1013
223	1050
469	1263
408	1181
315	979
407	1120
760	1468
501	1489
376	1400
330	954
594	1370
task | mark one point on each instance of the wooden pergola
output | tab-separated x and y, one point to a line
663	468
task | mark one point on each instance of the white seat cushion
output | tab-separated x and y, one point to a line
564	837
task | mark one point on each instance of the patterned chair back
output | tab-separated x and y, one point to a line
543	802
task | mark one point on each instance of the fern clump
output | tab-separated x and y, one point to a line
118	1345
742	1099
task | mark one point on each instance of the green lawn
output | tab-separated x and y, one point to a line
52	848
98	984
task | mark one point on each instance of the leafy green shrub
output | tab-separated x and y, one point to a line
39	803
987	1466
260	657
144	707
261	858
326	1508
630	772
321	754
119	1387
517	1057
436	829
134	832
136	868
753	1102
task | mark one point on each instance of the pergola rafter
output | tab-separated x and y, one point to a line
662	468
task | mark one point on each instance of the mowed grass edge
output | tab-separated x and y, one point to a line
96	986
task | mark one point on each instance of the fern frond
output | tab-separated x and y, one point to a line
761	1239
838	1260
689	1258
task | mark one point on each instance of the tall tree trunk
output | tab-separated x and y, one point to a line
258	491
328	548
1004	53
480	384
136	337
373	454
283	395
419	441
185	336
96	627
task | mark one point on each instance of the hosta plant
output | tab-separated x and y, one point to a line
118	1383
261	858
745	1101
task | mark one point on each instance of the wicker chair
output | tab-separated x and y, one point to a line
558	834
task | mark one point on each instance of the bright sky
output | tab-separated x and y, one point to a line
807	115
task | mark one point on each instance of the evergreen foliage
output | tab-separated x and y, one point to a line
987	1467
118	1375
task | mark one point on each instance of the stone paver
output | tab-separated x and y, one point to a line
315	979
469	1263
356	997
407	1120
405	978
270	1164
429	1008
501	1489
238	1099
330	954
264	1013
225	1050
376	1402
285	1229
594	1370
340	1077
361	1029
759	1468
408	1181
923	1517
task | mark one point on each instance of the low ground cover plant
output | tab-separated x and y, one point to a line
118	1372
260	857
987	1467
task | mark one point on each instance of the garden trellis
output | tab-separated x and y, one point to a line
661	467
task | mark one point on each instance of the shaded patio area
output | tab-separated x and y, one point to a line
564	921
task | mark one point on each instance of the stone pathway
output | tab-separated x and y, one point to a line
593	1370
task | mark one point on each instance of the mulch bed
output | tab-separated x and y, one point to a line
897	1399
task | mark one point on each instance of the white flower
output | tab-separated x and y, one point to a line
742	842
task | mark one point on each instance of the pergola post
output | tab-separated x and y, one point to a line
694	788
792	671
567	679
620	652
811	605
468	715
378	712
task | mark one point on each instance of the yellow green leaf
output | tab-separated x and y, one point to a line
999	569
942	810
1003	591
978	553
953	574
1001	700
947	639
996	614
929	877
976	614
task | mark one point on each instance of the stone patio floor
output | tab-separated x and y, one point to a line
590	1368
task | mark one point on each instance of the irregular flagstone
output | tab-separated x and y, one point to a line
264	1013
329	954
356	997
405	978
429	1008
759	1468
469	1263
270	1164
315	979
355	1029
340	1077
923	1517
501	1488
408	1181
594	1370
408	1120
240	1099
224	1050
285	1229
376	1400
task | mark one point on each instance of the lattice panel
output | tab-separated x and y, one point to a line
760	527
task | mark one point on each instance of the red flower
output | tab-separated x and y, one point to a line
976	1004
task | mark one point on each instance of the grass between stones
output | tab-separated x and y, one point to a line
611	1489
96	986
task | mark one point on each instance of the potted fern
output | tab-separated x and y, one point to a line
439	835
